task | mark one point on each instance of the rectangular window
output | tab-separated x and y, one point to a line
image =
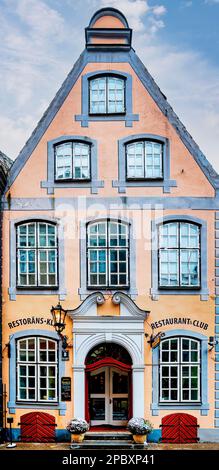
37	253
107	252
180	370
72	161
37	364
179	255
107	95
144	160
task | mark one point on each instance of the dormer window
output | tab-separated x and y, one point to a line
107	95
72	161
144	160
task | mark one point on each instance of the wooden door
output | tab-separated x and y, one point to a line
37	427
109	396
179	428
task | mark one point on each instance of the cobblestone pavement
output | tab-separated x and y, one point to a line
66	446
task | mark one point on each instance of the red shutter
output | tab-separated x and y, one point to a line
37	427
179	428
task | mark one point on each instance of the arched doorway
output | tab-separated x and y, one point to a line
108	383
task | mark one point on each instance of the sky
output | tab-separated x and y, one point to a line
178	41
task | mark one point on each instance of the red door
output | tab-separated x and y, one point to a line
179	428
37	427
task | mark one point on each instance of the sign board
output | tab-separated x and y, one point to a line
66	388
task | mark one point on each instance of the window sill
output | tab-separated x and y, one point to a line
13	292
93	185
61	407
202	407
72	180
84	119
37	288
144	183
203	293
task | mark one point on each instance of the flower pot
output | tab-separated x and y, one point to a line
77	437
140	438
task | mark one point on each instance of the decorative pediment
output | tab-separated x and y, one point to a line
128	308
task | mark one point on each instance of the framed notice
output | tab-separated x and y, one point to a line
66	388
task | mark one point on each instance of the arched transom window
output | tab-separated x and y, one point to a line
180	370
179	255
37	252
37	369
108	254
107	95
72	161
144	160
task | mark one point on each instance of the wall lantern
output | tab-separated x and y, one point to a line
212	341
58	315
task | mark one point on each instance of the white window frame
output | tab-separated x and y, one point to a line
37	364
37	249
72	176
179	249
106	111
179	365
108	249
144	157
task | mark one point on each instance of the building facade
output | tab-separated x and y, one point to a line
112	210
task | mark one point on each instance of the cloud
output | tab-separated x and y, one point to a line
159	10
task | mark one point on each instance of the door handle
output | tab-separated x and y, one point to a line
110	401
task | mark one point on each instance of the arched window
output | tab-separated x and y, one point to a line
107	95
179	255
72	161
108	350
37	372
108	254
179	368
37	253
144	160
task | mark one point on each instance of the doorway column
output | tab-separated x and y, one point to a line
138	391
79	388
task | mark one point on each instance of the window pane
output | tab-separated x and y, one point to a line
98	95
115	93
169	268
64	161
153	160
135	160
81	161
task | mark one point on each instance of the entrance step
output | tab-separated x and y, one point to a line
107	444
108	435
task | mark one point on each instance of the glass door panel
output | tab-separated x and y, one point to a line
97	409
120	409
119	402
120	382
97	383
98	393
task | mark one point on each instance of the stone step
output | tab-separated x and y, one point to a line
103	444
108	435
